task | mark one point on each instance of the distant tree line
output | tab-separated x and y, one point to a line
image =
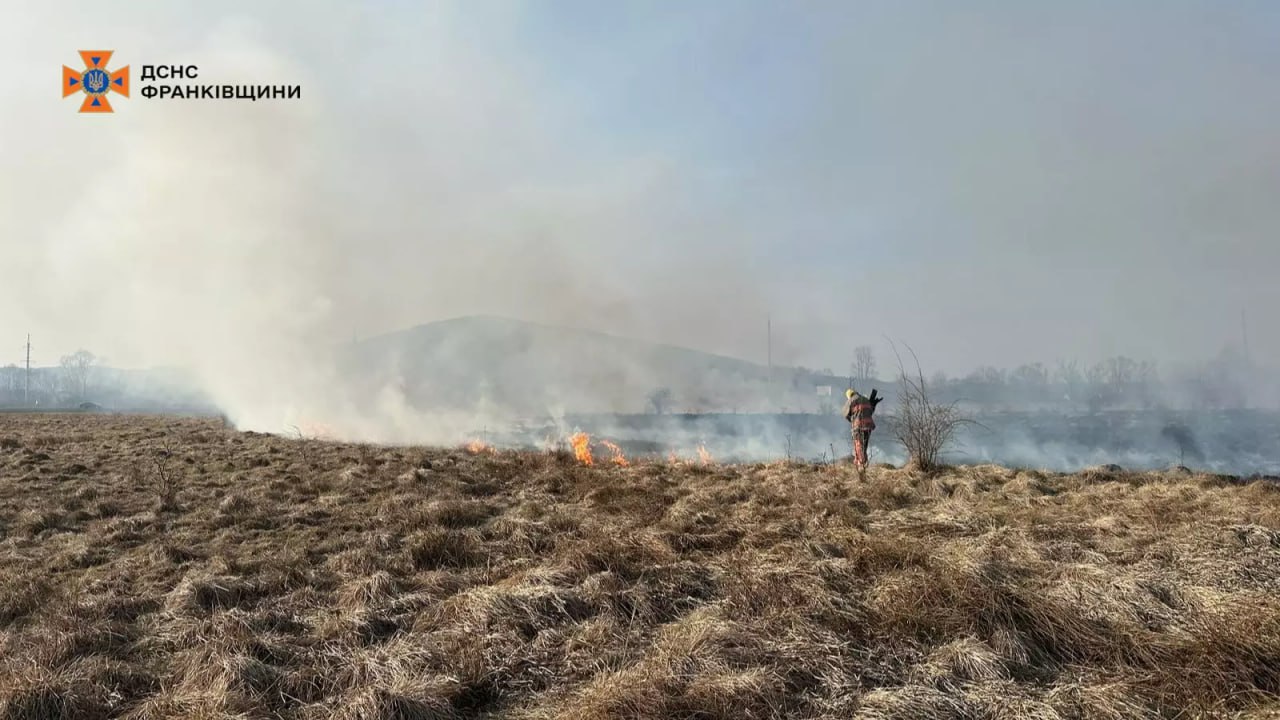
68	384
1227	381
81	377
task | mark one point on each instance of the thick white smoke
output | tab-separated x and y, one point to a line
246	241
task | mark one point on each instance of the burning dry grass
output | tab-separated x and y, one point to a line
276	578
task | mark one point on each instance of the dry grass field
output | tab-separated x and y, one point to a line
171	568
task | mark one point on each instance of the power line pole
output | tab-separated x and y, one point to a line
26	390
1244	335
768	318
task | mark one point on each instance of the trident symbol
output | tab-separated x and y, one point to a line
95	81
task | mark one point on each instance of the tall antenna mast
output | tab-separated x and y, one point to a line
26	389
1244	334
768	318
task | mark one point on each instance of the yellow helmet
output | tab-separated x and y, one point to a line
848	393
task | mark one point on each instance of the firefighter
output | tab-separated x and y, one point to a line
859	411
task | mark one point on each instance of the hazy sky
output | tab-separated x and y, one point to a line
995	183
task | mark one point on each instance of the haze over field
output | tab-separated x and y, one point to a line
996	184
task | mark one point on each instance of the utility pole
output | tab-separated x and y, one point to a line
768	319
1244	335
26	389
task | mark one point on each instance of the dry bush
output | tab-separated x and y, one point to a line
924	427
386	583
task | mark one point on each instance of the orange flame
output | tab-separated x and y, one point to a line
703	456
476	447
672	457
618	458
582	447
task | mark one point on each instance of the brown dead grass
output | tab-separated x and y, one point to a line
276	578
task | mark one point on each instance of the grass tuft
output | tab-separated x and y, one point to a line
304	579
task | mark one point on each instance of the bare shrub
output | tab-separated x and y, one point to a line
165	480
924	427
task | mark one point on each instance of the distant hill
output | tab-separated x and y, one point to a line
484	366
493	362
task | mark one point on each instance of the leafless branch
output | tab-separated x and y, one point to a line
924	427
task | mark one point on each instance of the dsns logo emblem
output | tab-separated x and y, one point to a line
95	81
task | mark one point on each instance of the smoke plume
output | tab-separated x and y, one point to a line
996	184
